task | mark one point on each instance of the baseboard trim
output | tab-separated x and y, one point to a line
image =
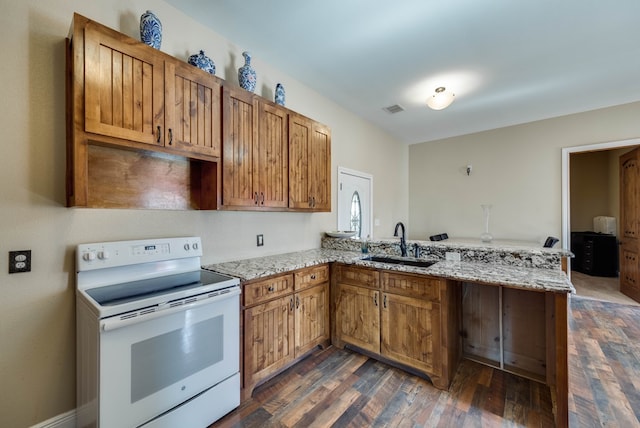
65	420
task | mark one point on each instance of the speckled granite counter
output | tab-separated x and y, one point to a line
506	253
530	278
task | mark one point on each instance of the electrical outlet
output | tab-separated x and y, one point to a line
19	261
260	240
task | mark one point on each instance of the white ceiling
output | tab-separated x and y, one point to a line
508	61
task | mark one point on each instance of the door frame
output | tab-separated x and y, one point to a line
366	176
566	154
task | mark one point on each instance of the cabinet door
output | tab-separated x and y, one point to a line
124	87
311	318
193	117
358	316
299	146
310	164
268	338
320	168
411	332
239	136
272	156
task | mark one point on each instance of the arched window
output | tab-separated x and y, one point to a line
356	214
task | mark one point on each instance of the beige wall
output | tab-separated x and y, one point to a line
37	339
517	169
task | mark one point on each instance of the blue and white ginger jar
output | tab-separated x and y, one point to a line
246	74
150	29
203	62
279	95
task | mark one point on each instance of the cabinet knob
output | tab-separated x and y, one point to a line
270	289
313	276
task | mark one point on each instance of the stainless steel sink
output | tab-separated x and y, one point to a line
399	261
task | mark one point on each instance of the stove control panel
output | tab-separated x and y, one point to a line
123	253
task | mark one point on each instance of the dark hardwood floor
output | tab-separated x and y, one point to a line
340	388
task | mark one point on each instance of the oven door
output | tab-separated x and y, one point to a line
150	364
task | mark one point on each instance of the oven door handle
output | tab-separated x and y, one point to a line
116	322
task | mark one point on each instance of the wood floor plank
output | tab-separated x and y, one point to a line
340	388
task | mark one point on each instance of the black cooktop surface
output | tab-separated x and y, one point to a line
111	295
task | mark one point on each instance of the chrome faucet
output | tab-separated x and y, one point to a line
403	239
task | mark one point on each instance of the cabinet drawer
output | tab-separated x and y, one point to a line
413	286
358	276
267	289
305	278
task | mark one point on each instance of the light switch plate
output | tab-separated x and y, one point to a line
260	240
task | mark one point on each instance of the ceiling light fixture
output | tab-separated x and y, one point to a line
441	99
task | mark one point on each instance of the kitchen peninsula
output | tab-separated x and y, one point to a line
503	304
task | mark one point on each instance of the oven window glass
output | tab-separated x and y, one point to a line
163	360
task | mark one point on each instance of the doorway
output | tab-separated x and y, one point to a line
590	188
355	203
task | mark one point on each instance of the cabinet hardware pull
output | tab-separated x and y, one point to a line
262	198
170	136
159	134
297	302
255	198
291	304
313	276
270	289
375	299
310	204
384	302
313	198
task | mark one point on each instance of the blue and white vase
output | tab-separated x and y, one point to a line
246	74
150	29
279	95
203	62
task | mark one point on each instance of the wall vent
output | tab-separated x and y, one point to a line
396	108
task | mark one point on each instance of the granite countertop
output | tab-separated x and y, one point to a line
528	278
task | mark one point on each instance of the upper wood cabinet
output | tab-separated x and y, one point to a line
139	94
310	164
254	161
143	128
191	141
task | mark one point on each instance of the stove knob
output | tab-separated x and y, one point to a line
90	256
103	255
186	247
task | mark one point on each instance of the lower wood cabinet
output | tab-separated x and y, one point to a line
403	318
284	317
